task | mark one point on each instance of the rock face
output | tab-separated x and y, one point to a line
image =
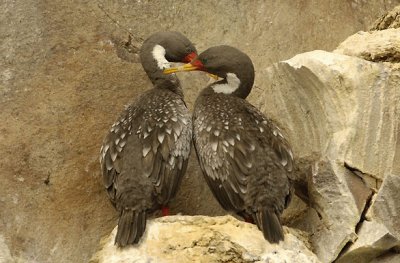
373	46
67	69
328	98
380	232
205	239
5	255
389	20
342	110
374	239
388	258
385	208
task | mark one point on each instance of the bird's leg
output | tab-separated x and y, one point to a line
165	211
249	220
246	216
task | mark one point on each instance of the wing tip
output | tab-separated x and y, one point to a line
131	226
269	223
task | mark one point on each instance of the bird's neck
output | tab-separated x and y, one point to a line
152	56
235	85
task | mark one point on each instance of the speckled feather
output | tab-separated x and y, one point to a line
246	160
159	134
145	154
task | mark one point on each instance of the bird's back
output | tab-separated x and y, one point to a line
145	153
244	157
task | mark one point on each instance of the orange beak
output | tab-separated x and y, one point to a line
194	65
186	67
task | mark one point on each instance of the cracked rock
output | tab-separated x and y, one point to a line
386	206
340	111
373	240
205	239
389	20
373	46
338	106
336	211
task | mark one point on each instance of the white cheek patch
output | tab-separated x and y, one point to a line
233	83
159	55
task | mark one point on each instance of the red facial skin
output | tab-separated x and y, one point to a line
197	63
190	57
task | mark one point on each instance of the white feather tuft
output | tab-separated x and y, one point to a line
233	83
159	55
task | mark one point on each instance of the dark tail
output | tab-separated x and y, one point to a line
269	223
131	226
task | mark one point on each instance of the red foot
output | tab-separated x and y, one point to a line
249	220
165	211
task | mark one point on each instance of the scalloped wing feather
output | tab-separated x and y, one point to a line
233	145
162	143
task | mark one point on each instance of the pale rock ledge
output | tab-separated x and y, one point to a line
205	239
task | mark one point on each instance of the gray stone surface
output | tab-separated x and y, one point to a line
374	239
333	215
386	206
388	258
341	104
67	68
333	99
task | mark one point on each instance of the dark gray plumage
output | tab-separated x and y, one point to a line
145	153
246	161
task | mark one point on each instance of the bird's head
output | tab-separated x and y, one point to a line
232	65
168	46
177	47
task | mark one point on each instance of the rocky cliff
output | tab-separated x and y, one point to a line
341	110
67	69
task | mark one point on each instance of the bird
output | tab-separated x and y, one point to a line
245	159
145	153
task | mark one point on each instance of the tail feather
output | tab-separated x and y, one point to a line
269	223
131	226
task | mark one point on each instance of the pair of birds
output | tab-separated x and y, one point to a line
245	160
